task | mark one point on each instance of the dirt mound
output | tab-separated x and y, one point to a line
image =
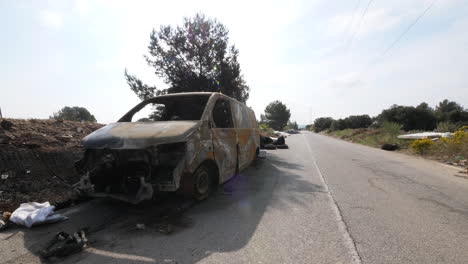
37	160
44	135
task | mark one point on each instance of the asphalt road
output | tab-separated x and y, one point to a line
321	201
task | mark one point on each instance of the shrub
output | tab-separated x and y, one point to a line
421	117
74	113
322	123
391	128
446	127
265	129
421	146
456	145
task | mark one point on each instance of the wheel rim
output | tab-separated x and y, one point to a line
203	182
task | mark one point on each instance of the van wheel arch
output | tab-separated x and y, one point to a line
189	184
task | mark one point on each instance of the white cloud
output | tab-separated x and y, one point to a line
83	7
51	19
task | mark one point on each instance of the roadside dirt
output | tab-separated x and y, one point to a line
37	160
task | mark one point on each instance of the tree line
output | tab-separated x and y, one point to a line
447	116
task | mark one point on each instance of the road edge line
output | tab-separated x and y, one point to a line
342	226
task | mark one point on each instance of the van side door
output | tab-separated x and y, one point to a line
224	139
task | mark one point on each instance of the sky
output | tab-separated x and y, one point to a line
319	57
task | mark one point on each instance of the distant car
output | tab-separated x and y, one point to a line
191	143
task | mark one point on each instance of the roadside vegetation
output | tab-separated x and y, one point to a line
195	56
448	116
74	113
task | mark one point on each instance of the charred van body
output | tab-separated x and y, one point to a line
188	142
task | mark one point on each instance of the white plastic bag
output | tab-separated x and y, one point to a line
32	213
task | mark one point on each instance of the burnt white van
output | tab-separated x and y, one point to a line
188	142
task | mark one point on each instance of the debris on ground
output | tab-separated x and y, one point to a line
5	221
32	213
281	133
283	146
37	160
6	216
389	147
3	225
279	141
63	244
424	135
269	146
273	143
140	226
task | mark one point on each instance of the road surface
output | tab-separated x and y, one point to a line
321	201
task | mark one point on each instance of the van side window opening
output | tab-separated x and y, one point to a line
222	114
242	116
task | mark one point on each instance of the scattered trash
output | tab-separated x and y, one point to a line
279	141
63	244
140	226
3	225
32	213
425	135
459	158
5	220
28	172
280	133
4	176
6	216
389	147
273	143
269	146
282	146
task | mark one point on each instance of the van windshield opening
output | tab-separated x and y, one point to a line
168	108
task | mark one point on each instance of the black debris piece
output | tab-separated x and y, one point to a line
389	147
270	146
63	244
279	141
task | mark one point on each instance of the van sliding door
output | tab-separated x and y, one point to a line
224	139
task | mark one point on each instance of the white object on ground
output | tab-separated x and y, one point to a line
262	154
424	135
281	133
32	213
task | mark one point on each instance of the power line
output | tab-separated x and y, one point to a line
359	24
408	28
400	36
348	27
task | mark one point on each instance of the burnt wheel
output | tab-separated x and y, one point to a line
202	183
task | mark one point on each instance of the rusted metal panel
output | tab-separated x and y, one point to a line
139	135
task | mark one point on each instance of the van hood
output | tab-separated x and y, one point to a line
139	135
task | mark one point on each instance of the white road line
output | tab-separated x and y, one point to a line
348	240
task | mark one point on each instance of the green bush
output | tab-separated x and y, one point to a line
446	127
421	146
265	129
